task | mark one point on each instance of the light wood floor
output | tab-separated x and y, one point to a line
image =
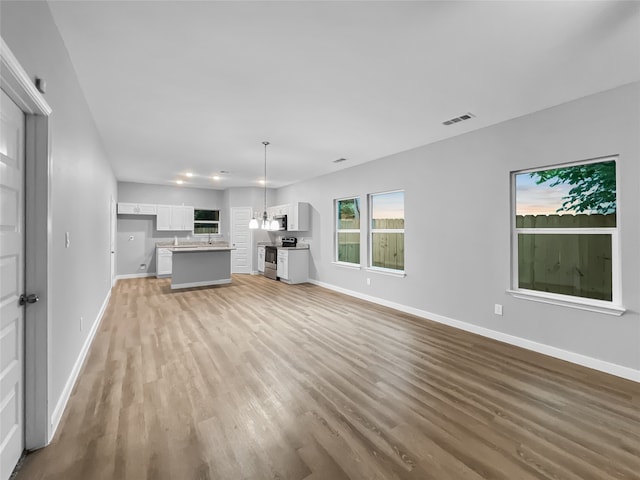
261	380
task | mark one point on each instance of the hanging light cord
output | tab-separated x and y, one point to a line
264	215
253	224
265	177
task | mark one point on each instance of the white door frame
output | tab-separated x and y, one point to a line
112	240
18	86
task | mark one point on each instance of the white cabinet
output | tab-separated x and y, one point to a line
284	210
174	218
163	220
298	217
278	210
164	262
293	265
187	218
168	217
297	213
283	264
261	258
136	208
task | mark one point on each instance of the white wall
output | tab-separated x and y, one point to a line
82	184
142	249
457	208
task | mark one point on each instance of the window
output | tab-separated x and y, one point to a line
386	241
565	234
206	222
348	230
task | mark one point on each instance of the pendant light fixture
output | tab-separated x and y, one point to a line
266	224
253	223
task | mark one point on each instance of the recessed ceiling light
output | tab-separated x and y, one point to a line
179	182
189	174
261	182
216	177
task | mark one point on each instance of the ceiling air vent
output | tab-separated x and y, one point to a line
461	118
340	160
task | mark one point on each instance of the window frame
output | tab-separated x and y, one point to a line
206	222
371	231
612	307
338	230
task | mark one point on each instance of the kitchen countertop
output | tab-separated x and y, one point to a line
204	248
300	246
192	245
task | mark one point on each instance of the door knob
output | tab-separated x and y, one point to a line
24	299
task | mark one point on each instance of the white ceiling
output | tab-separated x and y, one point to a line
178	87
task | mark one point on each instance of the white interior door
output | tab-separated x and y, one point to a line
12	140
241	240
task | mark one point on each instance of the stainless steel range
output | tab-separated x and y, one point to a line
271	257
271	262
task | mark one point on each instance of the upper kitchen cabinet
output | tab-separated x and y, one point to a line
174	218
278	210
136	208
298	217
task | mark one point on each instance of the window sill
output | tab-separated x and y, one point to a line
597	306
350	266
384	271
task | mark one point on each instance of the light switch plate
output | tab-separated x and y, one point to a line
497	309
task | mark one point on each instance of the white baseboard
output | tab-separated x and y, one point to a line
56	416
135	275
204	283
577	358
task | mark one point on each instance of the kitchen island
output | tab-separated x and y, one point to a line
200	266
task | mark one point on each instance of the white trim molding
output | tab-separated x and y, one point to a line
577	358
568	301
61	404
204	283
15	82
387	271
349	266
136	275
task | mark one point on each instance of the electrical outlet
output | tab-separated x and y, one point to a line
497	309
143	266
67	240
369	281
81	323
